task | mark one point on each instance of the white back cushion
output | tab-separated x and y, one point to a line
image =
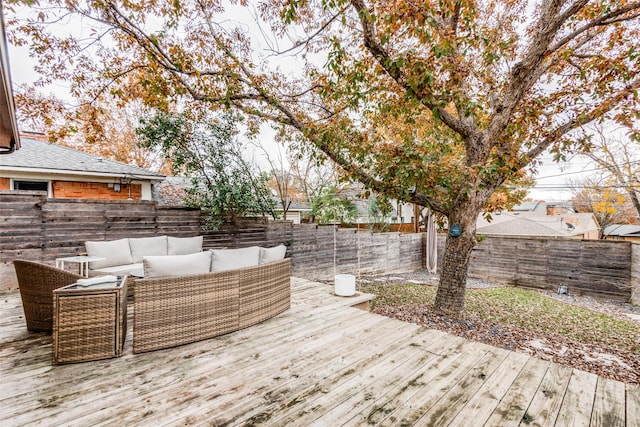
176	265
115	252
184	245
232	259
146	246
272	254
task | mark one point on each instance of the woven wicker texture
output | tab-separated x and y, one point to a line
89	324
37	282
171	311
265	291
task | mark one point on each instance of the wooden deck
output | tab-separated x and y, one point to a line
321	363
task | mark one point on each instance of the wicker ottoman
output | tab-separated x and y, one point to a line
89	323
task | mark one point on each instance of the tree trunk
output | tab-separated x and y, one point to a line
457	253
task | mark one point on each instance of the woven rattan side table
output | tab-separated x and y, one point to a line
89	322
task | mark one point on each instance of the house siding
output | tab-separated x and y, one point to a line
5	184
94	191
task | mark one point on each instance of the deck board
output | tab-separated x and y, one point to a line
513	406
482	404
320	363
632	402
608	407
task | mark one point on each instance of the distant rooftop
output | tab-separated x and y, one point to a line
540	206
531	224
622	230
538	218
529	207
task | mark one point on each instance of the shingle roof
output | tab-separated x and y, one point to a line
526	207
35	154
621	230
521	224
295	206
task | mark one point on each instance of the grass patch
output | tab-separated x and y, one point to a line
523	308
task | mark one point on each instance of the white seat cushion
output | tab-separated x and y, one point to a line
184	245
176	265
117	270
115	252
147	246
232	259
272	254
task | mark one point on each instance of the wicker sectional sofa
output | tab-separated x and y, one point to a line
188	294
171	311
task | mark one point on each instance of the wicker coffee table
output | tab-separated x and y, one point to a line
89	322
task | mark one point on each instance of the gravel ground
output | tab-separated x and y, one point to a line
599	359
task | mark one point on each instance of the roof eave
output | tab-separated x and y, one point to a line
46	171
9	135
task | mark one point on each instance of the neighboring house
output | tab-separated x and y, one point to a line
67	173
401	213
9	137
295	212
537	219
629	232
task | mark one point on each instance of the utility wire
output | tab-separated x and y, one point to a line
586	170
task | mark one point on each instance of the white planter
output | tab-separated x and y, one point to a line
345	285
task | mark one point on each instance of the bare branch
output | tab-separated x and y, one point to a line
300	43
608	19
153	47
603	108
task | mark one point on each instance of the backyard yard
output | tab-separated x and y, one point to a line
587	333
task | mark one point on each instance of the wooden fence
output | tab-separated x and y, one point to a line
40	229
318	252
635	274
36	228
588	267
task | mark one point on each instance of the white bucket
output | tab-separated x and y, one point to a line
345	285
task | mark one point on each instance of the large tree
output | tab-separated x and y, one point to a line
207	150
442	103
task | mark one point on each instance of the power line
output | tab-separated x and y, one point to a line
586	170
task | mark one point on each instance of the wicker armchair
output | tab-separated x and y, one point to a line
37	282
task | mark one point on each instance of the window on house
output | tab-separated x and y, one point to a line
31	185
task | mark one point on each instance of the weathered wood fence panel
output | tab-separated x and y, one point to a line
589	267
245	232
635	274
20	232
319	252
40	229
